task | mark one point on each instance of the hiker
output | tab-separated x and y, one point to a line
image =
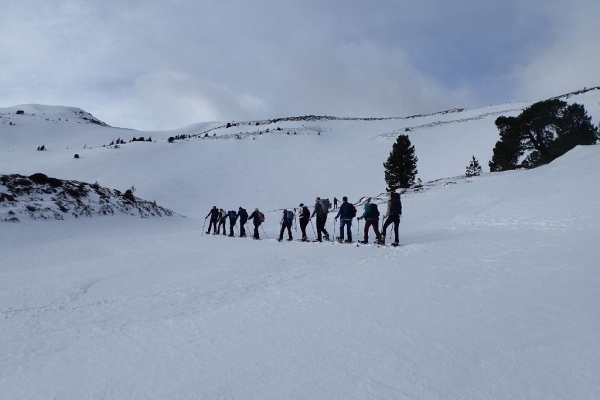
286	222
371	216
392	216
321	211
232	221
243	219
346	213
303	218
258	219
214	217
335	202
222	220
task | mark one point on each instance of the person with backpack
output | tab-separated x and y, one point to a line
392	216
222	220
257	218
335	202
321	210
346	213
371	217
214	218
232	221
286	222
243	219
303	218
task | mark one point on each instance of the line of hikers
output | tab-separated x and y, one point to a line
346	213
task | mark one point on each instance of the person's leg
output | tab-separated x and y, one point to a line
376	229
396	226
387	223
319	229
367	225
349	229
256	235
325	230
303	223
342	223
289	228
281	232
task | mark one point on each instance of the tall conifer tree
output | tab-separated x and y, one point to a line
401	165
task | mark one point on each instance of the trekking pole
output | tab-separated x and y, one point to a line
313	227
203	227
267	236
334	221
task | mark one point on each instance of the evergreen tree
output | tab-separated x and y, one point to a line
401	165
473	169
542	132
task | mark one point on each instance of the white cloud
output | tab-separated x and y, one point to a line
150	64
570	61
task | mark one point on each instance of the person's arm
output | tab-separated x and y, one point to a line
342	207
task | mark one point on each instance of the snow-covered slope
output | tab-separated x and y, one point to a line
326	157
493	293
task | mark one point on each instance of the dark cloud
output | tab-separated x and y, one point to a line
161	65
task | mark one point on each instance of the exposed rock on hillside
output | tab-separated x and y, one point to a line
41	197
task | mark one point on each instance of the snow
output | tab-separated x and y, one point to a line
493	293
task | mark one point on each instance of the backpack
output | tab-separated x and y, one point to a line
373	211
261	217
305	212
326	205
232	215
289	215
351	211
395	204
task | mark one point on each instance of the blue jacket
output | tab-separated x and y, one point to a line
343	211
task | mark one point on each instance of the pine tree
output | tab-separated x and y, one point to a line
541	133
401	165
473	169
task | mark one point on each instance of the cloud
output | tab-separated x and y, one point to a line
569	61
150	64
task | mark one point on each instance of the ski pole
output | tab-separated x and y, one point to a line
203	227
313	228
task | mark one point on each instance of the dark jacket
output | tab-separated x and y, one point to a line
243	216
254	218
214	214
318	211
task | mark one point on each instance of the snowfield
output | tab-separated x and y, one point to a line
493	293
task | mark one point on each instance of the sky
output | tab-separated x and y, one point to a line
158	65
